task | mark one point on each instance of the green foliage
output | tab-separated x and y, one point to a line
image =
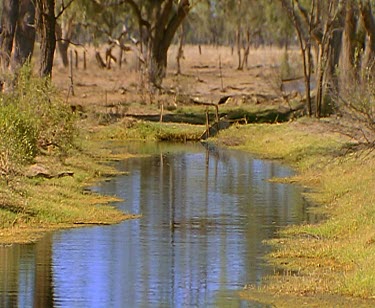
213	21
18	138
32	118
151	131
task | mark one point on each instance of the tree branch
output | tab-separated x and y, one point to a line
182	11
64	7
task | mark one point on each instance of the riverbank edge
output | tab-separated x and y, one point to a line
330	260
27	213
39	204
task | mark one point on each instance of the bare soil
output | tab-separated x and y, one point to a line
206	77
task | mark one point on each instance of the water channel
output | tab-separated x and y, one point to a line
205	213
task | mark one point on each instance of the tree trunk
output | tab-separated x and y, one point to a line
349	37
25	34
158	65
333	62
238	45
64	34
369	23
99	59
166	24
8	24
247	50
180	51
304	38
307	68
46	23
63	51
62	46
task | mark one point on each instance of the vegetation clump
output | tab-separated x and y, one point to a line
37	127
32	120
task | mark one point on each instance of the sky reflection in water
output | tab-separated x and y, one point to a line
205	215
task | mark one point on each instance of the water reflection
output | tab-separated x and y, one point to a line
205	215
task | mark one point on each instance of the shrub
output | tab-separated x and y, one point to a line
18	139
32	117
356	104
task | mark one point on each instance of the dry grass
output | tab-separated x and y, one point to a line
124	90
334	256
31	206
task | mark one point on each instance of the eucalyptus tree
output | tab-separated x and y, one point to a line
46	27
356	99
24	38
241	24
366	10
277	28
204	24
158	23
318	25
17	36
18	30
8	27
343	34
66	22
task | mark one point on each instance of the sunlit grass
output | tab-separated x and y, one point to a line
336	255
150	131
39	204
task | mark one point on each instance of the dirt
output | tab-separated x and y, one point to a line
206	77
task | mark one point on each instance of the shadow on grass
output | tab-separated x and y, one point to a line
233	116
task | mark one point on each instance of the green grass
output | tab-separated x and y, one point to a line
30	206
151	131
336	255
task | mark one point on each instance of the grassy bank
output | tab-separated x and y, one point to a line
336	255
130	129
31	206
45	165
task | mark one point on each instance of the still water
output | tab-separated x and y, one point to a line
205	213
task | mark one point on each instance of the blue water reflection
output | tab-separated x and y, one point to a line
205	213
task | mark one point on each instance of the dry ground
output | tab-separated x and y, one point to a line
208	76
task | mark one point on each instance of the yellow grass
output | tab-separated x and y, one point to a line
335	255
30	207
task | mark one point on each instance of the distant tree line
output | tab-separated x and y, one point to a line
336	37
150	26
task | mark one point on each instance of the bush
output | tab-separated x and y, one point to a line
18	139
356	104
32	118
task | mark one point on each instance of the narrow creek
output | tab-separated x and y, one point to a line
205	213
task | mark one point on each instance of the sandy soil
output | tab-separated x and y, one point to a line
207	76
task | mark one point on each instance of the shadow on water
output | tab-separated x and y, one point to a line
205	213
